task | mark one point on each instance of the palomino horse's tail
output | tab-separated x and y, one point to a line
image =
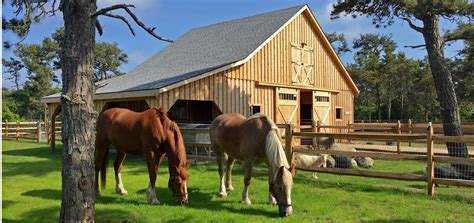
274	149
103	168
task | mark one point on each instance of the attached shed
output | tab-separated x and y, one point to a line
278	63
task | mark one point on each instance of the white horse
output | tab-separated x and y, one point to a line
308	161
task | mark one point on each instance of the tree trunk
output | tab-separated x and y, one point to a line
445	89
78	197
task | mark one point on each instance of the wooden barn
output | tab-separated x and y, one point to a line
278	63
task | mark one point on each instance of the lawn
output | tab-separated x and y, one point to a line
32	193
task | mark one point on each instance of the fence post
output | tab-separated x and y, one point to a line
6	128
410	126
314	129
399	131
429	160
17	130
289	146
38	131
318	130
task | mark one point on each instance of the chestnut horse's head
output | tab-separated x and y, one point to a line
177	159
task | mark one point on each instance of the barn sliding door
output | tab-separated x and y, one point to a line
321	106
286	106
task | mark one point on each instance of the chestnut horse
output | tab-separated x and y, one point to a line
252	140
151	133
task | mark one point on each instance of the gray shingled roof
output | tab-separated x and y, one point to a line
201	50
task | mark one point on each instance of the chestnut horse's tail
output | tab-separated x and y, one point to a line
103	168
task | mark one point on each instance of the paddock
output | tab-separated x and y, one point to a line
330	198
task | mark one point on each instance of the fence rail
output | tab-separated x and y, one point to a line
429	156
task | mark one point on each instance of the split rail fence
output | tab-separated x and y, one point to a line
429	157
33	130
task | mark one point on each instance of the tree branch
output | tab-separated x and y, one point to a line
121	18
151	31
413	26
415	46
98	26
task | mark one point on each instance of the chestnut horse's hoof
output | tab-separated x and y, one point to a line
222	194
122	192
246	202
230	188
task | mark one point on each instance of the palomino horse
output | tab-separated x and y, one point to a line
151	133
252	140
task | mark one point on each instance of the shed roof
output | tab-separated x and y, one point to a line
199	51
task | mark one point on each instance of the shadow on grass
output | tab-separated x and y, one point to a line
49	194
394	190
197	200
32	168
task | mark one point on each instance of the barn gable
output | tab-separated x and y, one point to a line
202	52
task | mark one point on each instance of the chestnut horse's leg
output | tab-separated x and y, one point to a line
221	158
228	176
118	178
248	164
150	161
100	161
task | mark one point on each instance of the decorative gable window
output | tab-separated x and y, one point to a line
302	64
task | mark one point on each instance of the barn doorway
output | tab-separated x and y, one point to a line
193	111
306	107
306	114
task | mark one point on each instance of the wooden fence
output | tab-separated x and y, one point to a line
429	157
34	130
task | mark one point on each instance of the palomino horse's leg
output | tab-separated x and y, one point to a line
271	199
221	158
248	176
150	161
119	189
228	175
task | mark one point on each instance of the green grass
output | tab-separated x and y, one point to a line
32	193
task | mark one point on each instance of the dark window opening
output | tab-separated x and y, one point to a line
338	113
285	96
136	106
189	111
322	98
254	109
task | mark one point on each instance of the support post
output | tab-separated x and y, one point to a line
289	146
38	131
429	160
399	131
53	134
17	130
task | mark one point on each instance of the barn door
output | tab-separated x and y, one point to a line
302	64
321	107
286	106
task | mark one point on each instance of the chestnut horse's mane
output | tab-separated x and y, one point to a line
173	127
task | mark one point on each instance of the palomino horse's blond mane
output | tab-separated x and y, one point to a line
273	148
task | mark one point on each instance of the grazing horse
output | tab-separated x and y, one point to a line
151	133
252	140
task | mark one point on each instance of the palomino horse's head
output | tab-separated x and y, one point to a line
280	187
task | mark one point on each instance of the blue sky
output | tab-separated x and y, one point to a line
174	18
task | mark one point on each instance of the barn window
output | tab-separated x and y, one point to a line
286	96
191	111
321	98
338	113
254	109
